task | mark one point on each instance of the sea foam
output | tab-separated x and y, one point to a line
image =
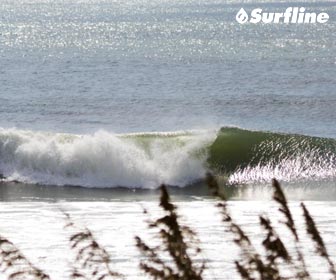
102	159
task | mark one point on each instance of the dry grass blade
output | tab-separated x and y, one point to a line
15	265
176	241
243	272
280	198
316	237
214	187
92	260
273	244
251	264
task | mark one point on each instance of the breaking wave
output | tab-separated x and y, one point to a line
102	159
146	160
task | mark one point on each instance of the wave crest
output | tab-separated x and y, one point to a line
102	159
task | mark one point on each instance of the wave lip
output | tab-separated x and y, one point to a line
102	159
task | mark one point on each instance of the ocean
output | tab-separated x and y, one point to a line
101	101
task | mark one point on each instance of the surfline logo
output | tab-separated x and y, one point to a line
290	15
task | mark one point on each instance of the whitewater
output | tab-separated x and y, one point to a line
102	159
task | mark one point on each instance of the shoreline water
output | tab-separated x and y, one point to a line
298	191
37	228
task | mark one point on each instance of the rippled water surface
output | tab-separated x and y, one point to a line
80	66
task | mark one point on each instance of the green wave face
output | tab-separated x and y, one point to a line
236	148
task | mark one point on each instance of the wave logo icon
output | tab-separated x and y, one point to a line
242	16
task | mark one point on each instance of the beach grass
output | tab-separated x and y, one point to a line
177	252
